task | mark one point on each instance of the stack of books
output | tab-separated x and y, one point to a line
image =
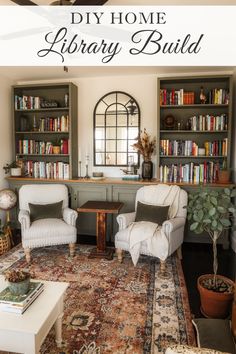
19	303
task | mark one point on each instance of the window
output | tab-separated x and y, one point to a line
116	127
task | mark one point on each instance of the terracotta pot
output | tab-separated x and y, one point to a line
224	176
56	149
215	304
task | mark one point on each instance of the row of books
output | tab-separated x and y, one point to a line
208	123
49	170
27	102
176	97
218	96
41	147
59	124
216	148
190	148
206	172
19	303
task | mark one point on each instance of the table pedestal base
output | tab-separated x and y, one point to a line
107	253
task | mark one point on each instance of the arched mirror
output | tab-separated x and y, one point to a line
116	126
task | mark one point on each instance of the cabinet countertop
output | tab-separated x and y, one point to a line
114	180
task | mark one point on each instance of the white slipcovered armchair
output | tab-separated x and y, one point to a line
51	231
172	229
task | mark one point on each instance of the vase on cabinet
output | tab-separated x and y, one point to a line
147	169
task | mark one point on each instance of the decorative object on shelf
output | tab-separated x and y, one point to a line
98	174
224	173
35	125
86	166
211	211
80	162
132	108
202	96
18	281
5	241
48	104
8	201
56	149
169	122
145	146
67	100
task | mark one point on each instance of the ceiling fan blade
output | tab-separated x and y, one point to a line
89	2
24	2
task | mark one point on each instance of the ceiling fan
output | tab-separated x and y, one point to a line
64	2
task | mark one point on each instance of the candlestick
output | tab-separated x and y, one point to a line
79	169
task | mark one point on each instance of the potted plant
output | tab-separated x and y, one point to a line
224	173
56	149
145	146
211	211
18	280
5	241
13	168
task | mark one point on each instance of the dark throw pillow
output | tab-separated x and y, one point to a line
46	211
154	213
214	334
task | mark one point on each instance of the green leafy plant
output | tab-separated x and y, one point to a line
211	211
8	166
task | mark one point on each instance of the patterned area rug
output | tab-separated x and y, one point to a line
112	307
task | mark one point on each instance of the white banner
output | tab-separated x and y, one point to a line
117	35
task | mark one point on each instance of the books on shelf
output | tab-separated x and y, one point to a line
219	96
58	124
190	148
208	123
206	172
26	147
176	97
182	97
19	303
49	170
27	102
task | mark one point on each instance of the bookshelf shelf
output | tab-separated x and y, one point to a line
192	157
51	109
194	106
45	132
44	155
170	131
38	128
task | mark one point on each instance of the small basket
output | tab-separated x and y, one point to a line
5	243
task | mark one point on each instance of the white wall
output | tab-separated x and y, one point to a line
142	88
6	155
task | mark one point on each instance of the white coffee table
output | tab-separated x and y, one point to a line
26	333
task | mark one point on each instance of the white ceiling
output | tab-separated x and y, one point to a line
57	73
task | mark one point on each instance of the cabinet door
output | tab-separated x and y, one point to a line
81	193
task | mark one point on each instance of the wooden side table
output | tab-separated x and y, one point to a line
102	208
